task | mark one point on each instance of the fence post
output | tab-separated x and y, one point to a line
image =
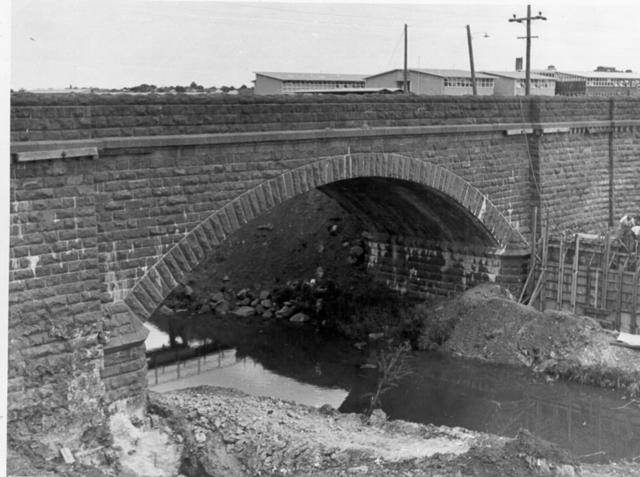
620	283
605	270
634	299
574	280
561	254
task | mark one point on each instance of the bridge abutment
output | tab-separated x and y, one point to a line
425	269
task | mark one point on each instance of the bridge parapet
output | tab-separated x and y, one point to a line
85	116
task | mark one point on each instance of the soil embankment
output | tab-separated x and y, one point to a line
484	323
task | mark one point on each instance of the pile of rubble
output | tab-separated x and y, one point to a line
247	303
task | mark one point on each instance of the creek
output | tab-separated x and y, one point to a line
297	364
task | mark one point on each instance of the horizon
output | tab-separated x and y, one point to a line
117	44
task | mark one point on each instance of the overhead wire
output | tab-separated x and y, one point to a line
394	50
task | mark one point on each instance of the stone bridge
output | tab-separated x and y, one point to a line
116	198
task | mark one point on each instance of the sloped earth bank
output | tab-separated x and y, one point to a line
230	433
209	431
484	323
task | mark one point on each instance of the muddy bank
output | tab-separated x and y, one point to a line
209	431
484	323
230	433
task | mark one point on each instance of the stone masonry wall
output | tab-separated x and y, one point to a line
148	201
85	231
574	178
626	172
36	117
55	354
424	269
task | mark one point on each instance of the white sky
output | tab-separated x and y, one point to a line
114	43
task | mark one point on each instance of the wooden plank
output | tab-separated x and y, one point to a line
595	289
588	297
560	271
619	292
634	299
534	240
545	259
605	269
574	278
28	156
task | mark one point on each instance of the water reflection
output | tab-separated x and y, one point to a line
291	363
227	370
596	424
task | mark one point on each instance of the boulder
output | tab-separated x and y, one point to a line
286	311
356	251
217	297
244	311
299	318
264	294
268	314
242	294
377	417
222	307
266	303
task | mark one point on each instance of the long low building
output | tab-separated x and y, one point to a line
433	81
596	83
512	83
291	83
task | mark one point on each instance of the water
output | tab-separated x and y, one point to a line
290	363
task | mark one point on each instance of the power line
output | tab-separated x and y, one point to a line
395	48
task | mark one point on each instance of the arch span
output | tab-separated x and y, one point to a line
151	290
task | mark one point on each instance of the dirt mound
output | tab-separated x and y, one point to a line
485	323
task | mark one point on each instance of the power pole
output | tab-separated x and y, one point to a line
406	69
528	19
473	71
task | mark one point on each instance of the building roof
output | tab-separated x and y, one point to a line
597	74
437	72
518	75
312	76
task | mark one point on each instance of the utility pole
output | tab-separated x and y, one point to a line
528	19
406	69
473	70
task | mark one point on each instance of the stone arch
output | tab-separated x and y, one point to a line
151	290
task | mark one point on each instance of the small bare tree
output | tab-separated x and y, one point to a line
393	365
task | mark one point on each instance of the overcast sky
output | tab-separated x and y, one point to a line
113	43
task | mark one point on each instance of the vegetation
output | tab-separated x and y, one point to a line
191	88
602	376
393	365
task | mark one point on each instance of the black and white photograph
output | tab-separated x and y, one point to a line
320	238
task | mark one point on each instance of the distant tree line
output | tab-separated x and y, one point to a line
192	88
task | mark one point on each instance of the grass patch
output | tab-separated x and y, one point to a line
596	375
